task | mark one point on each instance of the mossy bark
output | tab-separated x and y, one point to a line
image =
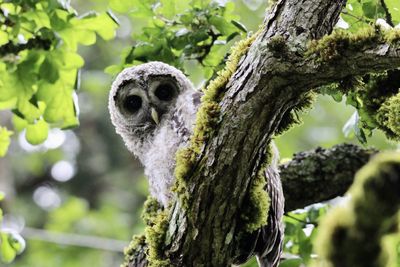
321	174
270	80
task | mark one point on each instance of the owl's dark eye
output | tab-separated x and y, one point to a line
133	103
165	92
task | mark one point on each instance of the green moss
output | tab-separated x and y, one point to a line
388	117
277	45
291	118
151	208
256	205
152	243
332	47
351	235
135	247
207	119
155	236
376	97
390	256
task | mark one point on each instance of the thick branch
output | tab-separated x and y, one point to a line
321	174
341	55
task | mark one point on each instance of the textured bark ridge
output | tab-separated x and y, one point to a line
321	174
270	80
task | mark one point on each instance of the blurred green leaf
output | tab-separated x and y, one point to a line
394	9
4	143
7	252
291	263
3	37
37	133
48	71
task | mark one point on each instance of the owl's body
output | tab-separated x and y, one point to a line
153	107
158	155
155	143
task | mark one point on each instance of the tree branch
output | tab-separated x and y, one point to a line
344	54
321	174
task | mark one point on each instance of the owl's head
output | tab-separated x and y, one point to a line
142	97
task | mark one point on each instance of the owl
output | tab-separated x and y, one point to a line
153	108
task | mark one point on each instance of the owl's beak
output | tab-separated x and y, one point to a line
154	116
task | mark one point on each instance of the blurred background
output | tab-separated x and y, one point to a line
77	198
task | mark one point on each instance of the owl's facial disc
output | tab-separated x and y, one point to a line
163	92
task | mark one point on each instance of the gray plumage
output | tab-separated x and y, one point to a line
153	108
154	143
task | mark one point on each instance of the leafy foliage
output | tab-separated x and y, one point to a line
178	31
11	243
359	13
39	63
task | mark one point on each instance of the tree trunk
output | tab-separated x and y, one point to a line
270	80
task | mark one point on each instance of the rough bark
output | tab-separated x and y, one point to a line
202	233
265	86
321	174
310	177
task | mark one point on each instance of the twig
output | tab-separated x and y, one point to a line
76	240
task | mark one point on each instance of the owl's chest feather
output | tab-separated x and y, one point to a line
159	162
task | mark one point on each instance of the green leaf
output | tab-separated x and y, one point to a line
239	25
19	123
122	6
3	37
59	103
369	9
2	196
394	9
37	133
16	242
222	25
102	24
4	140
170	8
113	69
7	253
48	70
359	132
39	17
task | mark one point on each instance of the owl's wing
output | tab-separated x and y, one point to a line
184	116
